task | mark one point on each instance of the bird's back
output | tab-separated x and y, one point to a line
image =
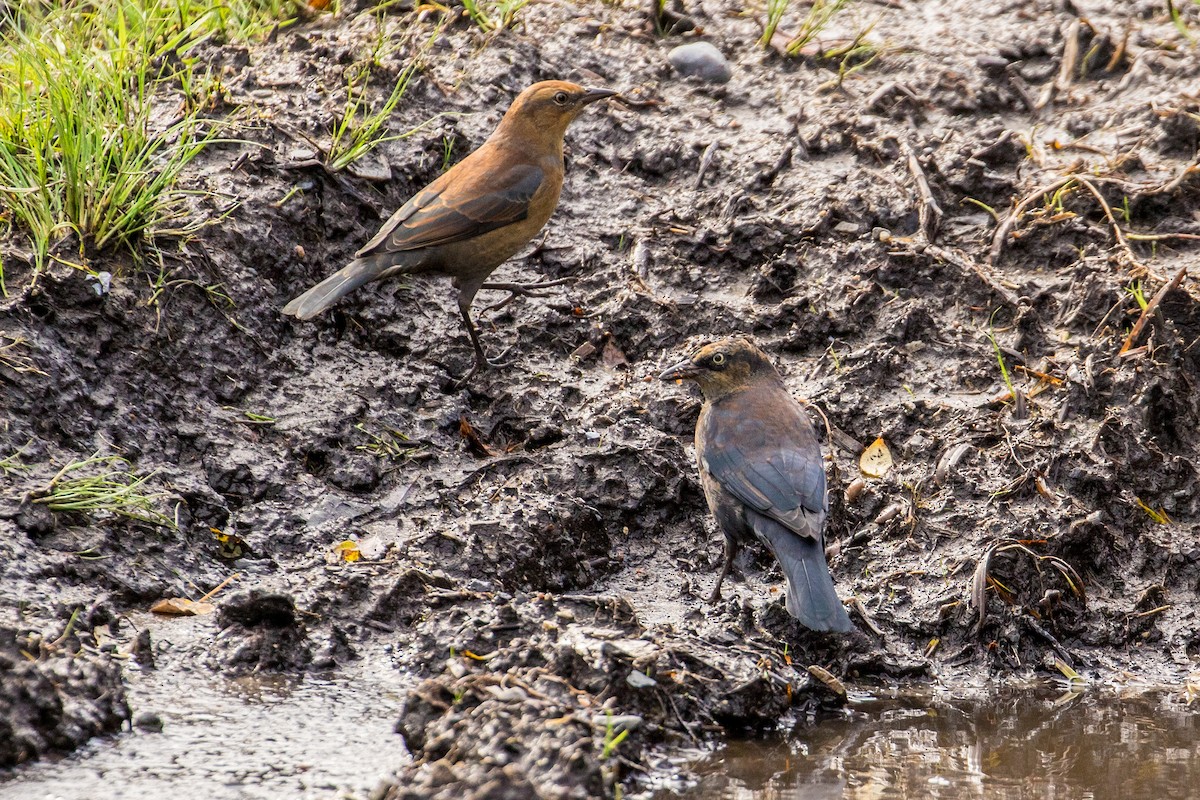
476	215
761	469
760	445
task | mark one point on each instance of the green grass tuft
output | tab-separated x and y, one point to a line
103	484
358	130
820	14
494	15
92	142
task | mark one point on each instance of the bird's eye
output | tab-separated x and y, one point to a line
561	98
718	359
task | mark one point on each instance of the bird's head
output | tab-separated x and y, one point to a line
547	108
723	367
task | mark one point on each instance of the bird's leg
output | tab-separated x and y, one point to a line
520	289
481	359
730	551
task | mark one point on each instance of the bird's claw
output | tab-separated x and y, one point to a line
525	288
516	290
482	363
503	360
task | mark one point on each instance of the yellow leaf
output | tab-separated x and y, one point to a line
1068	673
348	551
876	460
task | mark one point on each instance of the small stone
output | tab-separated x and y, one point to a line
701	60
640	680
371	167
148	721
617	722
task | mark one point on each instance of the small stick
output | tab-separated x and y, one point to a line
828	427
1150	309
1001	234
767	176
219	587
929	213
1066	70
705	163
964	262
1159	237
858	606
1085	183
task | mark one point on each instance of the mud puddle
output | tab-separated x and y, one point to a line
254	736
1043	743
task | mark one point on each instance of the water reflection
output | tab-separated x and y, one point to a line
251	738
1016	744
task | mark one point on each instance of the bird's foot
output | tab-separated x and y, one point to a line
516	290
465	379
505	359
482	363
715	596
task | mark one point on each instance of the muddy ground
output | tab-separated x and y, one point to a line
541	580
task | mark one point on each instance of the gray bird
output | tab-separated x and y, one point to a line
761	470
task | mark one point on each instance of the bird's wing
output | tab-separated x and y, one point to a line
454	208
768	458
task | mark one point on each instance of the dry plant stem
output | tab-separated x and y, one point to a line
1002	231
1150	309
1066	69
705	163
1120	236
1139	190
1159	237
888	88
858	606
1119	51
929	213
219	587
828	427
966	263
1000	237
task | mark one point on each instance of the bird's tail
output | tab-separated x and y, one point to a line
811	597
338	285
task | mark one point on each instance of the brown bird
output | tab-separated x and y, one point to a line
760	466
475	216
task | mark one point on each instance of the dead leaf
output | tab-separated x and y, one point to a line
474	440
828	678
585	350
612	356
876	460
182	607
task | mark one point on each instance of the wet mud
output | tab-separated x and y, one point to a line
534	550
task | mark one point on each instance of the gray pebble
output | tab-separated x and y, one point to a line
148	721
701	60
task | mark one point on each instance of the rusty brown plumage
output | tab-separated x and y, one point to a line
475	216
761	470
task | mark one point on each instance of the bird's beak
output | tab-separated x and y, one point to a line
592	95
681	371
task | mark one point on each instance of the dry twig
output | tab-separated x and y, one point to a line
1002	230
1150	308
1066	69
929	212
1120	236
